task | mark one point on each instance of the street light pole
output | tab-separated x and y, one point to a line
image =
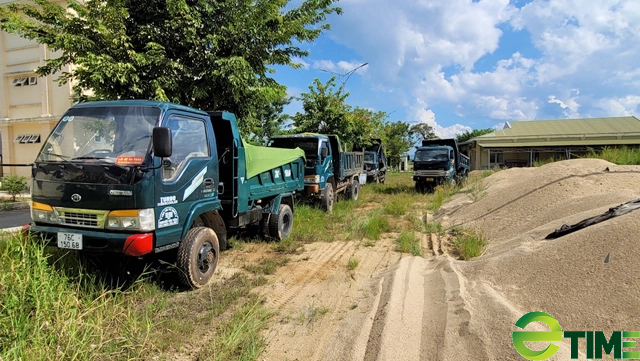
343	78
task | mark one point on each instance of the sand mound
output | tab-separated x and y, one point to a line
587	280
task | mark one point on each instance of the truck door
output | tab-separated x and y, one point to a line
187	177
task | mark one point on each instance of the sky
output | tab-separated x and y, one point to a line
459	65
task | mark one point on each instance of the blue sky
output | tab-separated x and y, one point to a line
461	64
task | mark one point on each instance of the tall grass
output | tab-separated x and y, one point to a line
620	156
409	243
371	226
51	309
468	243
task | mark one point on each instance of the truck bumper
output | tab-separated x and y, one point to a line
99	241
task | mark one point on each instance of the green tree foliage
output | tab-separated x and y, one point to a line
366	124
472	134
423	131
14	185
201	53
325	111
397	139
272	120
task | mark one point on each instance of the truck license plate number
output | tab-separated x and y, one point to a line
69	240
429	179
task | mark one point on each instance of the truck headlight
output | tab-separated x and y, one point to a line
132	219
41	212
312	179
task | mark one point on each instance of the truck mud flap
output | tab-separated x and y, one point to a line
612	212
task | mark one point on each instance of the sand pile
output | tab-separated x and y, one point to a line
587	280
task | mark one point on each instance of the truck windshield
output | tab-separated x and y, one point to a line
431	155
369	157
309	145
119	134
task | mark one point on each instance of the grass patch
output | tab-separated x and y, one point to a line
540	163
620	156
441	194
468	243
399	205
52	309
434	227
240	338
409	243
352	264
267	266
370	226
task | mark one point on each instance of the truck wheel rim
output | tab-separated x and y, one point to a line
206	257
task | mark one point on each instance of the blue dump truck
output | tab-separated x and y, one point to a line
141	177
329	169
438	161
375	162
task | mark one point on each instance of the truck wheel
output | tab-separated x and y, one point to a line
354	190
198	256
281	224
328	198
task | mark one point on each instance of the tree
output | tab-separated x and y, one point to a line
467	135
272	119
325	111
200	53
423	131
397	139
14	185
366	124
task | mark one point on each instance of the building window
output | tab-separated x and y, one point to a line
496	158
27	138
24	81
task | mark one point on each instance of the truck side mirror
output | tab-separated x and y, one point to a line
324	152
162	142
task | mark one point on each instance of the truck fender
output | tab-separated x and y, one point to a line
283	198
208	218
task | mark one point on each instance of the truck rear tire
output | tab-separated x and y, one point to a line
281	224
354	190
327	198
198	257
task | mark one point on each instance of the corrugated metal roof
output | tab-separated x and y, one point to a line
612	125
563	143
565	132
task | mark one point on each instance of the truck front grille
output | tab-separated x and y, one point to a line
88	218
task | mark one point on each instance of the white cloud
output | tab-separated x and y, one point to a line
342	67
625	106
422	115
435	52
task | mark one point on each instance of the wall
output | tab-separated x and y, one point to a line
33	107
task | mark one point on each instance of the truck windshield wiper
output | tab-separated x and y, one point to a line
85	157
66	159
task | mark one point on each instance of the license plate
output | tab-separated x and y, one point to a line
69	240
429	179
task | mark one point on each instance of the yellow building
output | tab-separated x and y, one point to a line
29	105
523	143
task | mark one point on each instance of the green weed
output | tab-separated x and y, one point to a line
409	243
468	243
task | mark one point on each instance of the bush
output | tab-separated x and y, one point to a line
14	185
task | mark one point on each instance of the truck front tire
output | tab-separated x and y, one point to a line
327	198
281	224
198	256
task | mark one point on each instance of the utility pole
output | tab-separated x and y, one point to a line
343	78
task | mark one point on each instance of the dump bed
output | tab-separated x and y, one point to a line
345	164
272	171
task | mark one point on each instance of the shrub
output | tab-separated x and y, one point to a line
14	185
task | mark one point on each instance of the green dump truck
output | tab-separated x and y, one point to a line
439	161
375	162
141	177
329	169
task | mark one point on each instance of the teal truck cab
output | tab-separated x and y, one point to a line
142	177
438	161
375	162
329	169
